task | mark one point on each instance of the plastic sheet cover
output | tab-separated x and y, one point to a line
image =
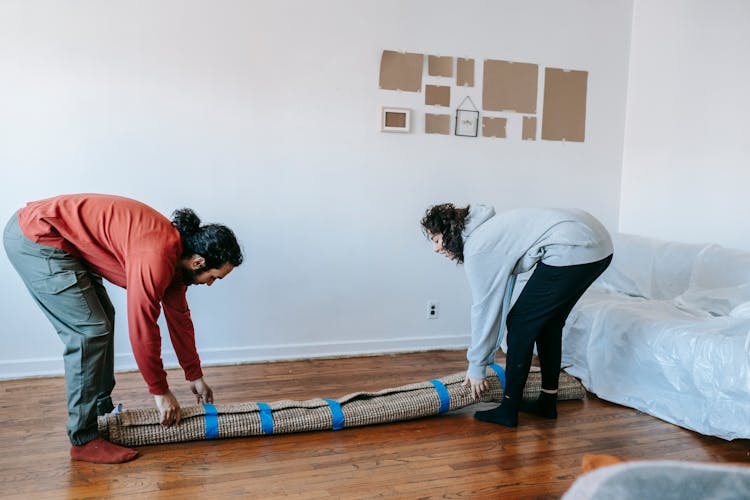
666	330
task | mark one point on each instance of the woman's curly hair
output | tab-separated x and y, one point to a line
214	242
448	220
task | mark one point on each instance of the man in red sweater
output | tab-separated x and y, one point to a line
62	247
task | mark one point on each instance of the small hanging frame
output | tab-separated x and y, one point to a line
467	120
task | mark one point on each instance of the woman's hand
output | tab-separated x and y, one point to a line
169	409
478	386
203	393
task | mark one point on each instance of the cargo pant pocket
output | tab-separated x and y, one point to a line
64	295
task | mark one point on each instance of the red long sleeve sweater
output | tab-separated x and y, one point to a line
135	247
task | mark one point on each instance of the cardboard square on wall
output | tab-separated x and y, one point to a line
437	95
529	128
510	86
401	71
493	127
395	119
437	124
440	66
564	107
464	72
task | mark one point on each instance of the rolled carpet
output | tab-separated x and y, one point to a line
140	427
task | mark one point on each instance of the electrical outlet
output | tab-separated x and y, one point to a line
433	310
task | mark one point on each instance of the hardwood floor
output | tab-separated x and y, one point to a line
451	456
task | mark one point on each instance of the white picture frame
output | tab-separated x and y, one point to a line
395	119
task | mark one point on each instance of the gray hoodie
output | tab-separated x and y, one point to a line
499	247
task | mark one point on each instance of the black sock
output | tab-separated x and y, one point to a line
104	405
545	406
506	414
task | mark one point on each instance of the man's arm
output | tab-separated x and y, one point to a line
182	333
181	330
147	278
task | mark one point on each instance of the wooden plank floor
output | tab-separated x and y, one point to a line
451	456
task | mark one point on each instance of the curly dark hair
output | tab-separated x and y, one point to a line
214	242
448	220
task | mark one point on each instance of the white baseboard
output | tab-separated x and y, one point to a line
43	367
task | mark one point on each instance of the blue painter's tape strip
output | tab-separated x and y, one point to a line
500	374
266	418
445	398
212	421
337	415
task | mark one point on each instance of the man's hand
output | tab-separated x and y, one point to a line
169	409
478	386
203	393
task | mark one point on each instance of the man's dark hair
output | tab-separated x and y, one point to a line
449	221
214	242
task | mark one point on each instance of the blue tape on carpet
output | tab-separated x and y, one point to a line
500	374
445	398
212	421
337	415
266	418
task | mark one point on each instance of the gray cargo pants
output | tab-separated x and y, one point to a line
76	302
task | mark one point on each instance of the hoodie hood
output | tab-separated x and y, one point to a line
478	215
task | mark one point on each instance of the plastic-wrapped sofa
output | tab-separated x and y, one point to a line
666	330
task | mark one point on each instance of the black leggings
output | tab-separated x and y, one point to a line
538	316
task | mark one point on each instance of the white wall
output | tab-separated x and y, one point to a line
686	168
263	116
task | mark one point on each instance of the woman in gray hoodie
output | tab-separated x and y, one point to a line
568	249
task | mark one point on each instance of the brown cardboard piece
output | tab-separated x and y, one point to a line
437	95
564	108
493	127
437	124
401	71
440	66
529	128
396	119
510	86
464	72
